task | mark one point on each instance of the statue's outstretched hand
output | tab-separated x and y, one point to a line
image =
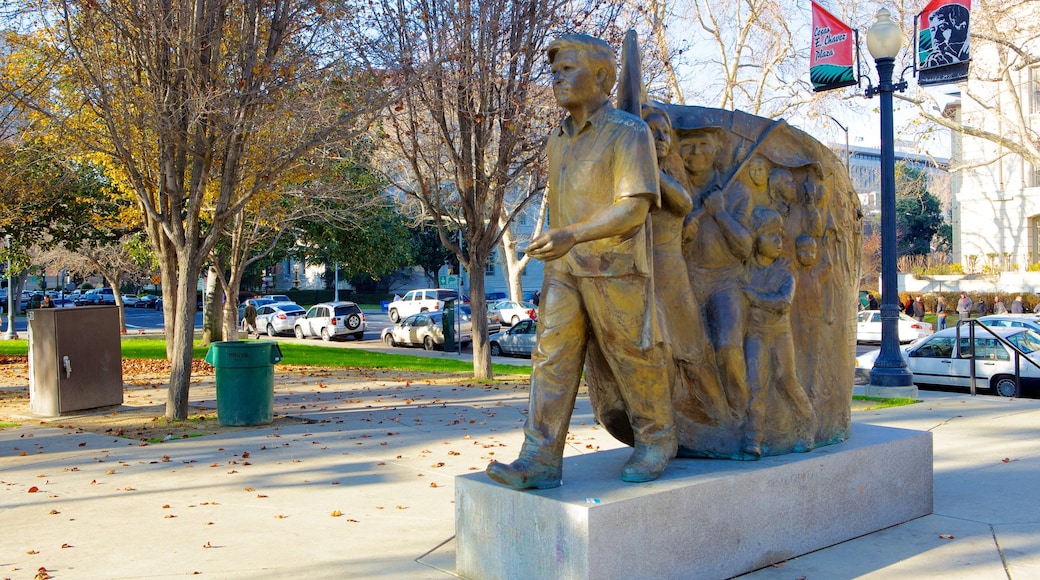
551	245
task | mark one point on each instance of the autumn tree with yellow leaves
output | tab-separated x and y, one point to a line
175	94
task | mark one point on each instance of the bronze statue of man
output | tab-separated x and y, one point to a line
597	295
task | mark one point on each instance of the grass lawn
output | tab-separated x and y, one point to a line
864	403
302	354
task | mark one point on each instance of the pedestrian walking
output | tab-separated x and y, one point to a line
980	307
872	303
998	306
940	313
918	308
964	306
1017	307
249	314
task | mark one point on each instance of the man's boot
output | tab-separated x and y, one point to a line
527	473
650	458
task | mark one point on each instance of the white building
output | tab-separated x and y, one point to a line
996	194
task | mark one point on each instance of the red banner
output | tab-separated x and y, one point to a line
831	61
943	49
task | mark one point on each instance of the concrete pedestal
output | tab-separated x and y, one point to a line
701	519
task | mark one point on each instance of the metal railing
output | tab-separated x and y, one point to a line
1019	354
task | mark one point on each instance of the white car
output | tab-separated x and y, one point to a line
130	300
278	318
277	298
331	320
868	327
422	300
941	360
510	312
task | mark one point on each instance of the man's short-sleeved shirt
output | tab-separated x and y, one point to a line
611	158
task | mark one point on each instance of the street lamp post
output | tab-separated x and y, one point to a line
889	378
11	334
336	283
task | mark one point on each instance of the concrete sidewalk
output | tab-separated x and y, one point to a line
366	490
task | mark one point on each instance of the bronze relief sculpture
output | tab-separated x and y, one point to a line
702	267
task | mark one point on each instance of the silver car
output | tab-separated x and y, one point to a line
941	360
278	318
424	329
517	341
331	320
1029	321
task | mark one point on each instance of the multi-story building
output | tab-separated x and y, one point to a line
865	172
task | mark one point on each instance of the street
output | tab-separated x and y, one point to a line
147	320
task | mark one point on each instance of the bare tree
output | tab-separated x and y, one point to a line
472	124
755	62
113	261
511	240
999	99
201	105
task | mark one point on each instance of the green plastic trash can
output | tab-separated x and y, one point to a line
245	381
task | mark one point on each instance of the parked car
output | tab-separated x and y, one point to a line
130	300
97	296
492	297
257	302
424	329
941	360
62	303
330	320
85	298
278	317
278	298
146	301
422	300
1012	320
510	312
466	315
516	341
868	327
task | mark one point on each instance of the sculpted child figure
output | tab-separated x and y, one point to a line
716	244
695	369
603	181
769	343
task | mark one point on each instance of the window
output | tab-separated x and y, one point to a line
1034	90
1026	342
1033	175
985	349
940	347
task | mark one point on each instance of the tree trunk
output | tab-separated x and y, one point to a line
478	307
212	309
183	333
115	280
514	266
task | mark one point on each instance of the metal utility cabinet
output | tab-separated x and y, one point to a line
75	359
